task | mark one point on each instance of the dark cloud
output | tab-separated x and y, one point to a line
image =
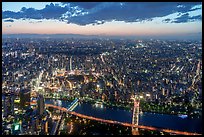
166	20
187	6
83	13
49	12
130	12
183	18
198	17
85	5
53	11
186	18
9	20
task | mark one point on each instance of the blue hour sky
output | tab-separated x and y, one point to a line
139	19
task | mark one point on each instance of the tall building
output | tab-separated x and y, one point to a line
24	98
41	104
198	68
12	104
44	127
50	125
34	123
70	64
163	91
8	105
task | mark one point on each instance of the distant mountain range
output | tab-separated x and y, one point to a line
65	36
48	36
190	36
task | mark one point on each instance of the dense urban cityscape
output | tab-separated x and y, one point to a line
140	76
101	68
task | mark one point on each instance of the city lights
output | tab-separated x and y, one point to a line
99	68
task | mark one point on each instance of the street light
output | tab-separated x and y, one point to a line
148	95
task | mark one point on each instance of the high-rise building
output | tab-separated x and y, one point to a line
24	98
41	104
12	104
70	63
198	68
8	105
44	127
34	124
50	125
163	91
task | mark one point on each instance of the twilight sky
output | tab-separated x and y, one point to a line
142	19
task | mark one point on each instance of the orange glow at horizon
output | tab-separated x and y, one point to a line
117	28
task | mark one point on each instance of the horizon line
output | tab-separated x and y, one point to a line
166	37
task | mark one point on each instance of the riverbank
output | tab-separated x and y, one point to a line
122	106
130	107
146	119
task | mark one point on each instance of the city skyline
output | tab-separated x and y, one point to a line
102	68
101	87
150	20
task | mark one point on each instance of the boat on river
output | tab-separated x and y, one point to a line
99	104
182	116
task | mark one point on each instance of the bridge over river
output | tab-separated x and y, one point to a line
120	123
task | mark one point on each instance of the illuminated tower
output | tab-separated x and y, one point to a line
198	68
70	64
135	116
197	76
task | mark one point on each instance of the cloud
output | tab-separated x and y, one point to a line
130	12
198	17
96	13
84	5
186	18
34	22
49	12
166	20
182	18
9	20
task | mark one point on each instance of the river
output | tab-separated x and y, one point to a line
148	119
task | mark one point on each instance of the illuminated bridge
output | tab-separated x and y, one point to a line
73	105
120	123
